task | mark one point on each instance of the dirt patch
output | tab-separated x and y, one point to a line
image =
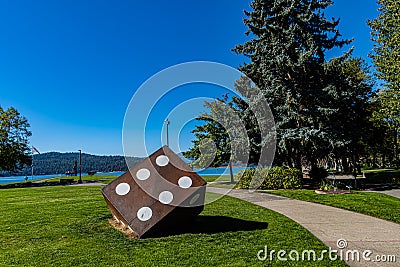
126	230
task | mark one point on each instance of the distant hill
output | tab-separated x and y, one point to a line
59	163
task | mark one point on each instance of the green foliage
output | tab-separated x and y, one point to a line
244	178
385	34
325	186
388	107
350	125
211	146
226	118
332	185
68	226
14	140
386	117
321	108
386	57
287	60
273	178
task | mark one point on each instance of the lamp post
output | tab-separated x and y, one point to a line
167	122
34	150
231	172
32	168
80	167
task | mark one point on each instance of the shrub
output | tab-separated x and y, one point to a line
271	178
325	186
293	179
245	178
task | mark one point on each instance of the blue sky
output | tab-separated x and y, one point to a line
71	67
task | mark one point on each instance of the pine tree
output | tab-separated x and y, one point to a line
321	107
287	48
350	125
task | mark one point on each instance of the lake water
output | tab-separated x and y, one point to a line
18	179
204	172
218	171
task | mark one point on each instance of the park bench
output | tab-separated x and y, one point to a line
332	178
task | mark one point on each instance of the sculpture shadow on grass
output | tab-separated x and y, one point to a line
204	225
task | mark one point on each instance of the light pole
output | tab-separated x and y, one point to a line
80	167
167	122
32	167
231	172
34	150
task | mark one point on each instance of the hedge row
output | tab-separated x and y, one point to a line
271	178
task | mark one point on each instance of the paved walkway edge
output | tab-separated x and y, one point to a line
329	224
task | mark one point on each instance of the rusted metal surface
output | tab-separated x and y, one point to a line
160	185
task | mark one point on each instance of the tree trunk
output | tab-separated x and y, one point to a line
345	165
395	161
297	163
383	165
374	161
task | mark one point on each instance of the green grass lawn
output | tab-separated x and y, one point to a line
381	170
99	178
213	178
369	203
68	226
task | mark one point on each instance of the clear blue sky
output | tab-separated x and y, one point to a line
71	67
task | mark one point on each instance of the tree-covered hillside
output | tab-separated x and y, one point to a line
58	163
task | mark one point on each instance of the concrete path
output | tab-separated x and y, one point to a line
329	224
393	192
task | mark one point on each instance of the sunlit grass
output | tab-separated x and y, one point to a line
68	226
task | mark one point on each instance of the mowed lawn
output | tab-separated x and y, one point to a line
68	226
369	203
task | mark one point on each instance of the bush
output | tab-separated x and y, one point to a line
245	178
271	178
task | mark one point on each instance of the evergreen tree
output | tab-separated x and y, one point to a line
351	124
321	107
287	48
